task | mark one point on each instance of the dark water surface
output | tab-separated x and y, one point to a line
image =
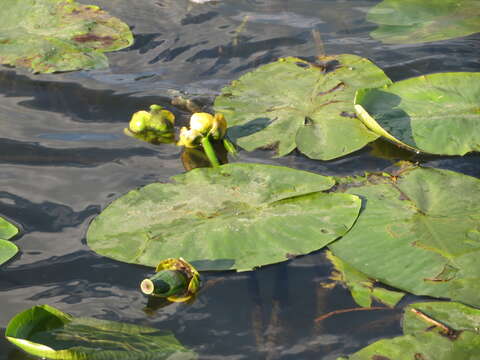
63	158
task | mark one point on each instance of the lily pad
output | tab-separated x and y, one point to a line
7	249
236	216
58	35
49	333
413	21
362	288
432	330
292	104
437	113
419	232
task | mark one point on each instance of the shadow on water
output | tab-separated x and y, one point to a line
77	102
45	216
32	153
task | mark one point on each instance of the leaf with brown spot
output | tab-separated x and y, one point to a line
297	104
56	35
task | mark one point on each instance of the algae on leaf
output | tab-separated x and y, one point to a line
432	330
419	232
292	104
437	113
58	35
7	248
49	333
414	21
236	216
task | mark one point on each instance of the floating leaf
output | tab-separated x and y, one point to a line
58	35
413	21
49	333
7	249
236	216
432	330
419	232
292	103
437	113
362	288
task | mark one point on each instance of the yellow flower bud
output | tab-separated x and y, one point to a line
201	122
207	124
219	128
139	121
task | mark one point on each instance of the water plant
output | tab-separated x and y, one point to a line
7	248
49	333
292	103
175	279
235	216
413	21
46	36
436	113
431	330
422	228
155	126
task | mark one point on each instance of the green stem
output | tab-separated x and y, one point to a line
229	146
209	151
165	283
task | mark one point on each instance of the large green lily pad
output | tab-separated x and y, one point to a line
413	21
432	330
58	35
437	113
236	216
7	249
292	104
419	232
49	333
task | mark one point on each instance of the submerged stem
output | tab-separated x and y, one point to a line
209	151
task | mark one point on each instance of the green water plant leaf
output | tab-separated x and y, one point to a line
292	104
413	21
58	35
7	248
49	333
362	288
437	113
236	216
432	330
419	232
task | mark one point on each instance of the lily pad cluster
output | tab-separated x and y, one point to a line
418	232
7	248
332	108
58	35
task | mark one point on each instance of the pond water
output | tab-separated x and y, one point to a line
63	158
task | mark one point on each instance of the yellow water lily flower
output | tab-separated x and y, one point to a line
189	138
208	124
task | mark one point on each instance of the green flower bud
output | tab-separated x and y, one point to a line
154	127
139	121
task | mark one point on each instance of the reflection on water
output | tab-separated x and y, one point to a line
63	158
